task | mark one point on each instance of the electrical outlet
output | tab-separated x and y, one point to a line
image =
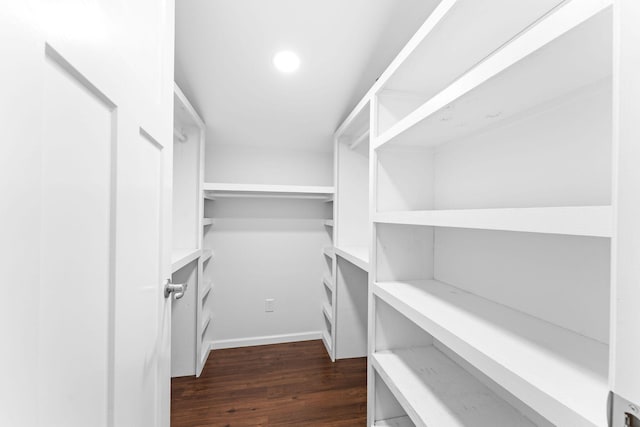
269	305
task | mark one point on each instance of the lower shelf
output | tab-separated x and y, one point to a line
560	374
327	341
182	257
435	391
357	255
395	422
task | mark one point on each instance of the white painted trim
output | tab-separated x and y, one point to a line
269	339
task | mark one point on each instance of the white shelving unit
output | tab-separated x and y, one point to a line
492	206
213	191
352	232
188	255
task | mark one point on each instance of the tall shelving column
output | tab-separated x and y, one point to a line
352	232
188	223
492	209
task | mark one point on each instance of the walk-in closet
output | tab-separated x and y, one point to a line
336	213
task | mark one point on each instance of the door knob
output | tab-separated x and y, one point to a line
177	289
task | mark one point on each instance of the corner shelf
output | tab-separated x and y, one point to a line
562	53
576	220
395	422
205	322
327	313
328	251
557	372
326	339
182	257
327	283
206	289
207	254
435	391
214	191
357	255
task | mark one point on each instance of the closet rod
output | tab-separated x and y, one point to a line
179	135
358	140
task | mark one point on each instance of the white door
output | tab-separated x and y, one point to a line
85	159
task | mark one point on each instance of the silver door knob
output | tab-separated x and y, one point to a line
177	289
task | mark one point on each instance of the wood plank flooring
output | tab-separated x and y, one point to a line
293	384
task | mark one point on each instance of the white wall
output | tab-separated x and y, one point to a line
265	248
266	165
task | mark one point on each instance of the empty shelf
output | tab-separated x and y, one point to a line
207	221
207	254
328	251
328	283
575	220
182	257
327	313
218	190
205	321
357	255
557	372
206	288
568	50
435	391
327	341
395	422
328	222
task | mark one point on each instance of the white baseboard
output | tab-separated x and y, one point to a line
270	339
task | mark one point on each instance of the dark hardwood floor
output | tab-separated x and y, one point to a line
292	384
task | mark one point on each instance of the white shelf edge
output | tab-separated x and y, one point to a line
326	310
219	190
187	105
205	322
596	221
394	422
207	221
206	349
207	254
328	222
328	283
328	251
356	255
563	20
326	339
206	289
435	391
182	257
556	386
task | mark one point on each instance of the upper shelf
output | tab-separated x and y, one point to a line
566	51
214	190
557	372
182	257
357	255
574	220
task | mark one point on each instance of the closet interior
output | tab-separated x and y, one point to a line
463	242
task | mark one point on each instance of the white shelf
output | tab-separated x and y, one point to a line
576	221
205	321
326	309
328	251
206	289
558	373
327	282
182	257
357	255
328	222
568	50
205	354
218	190
395	422
326	340
435	391
207	221
207	254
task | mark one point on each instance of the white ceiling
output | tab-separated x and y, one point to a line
224	51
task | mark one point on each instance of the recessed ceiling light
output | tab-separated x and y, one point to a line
286	61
